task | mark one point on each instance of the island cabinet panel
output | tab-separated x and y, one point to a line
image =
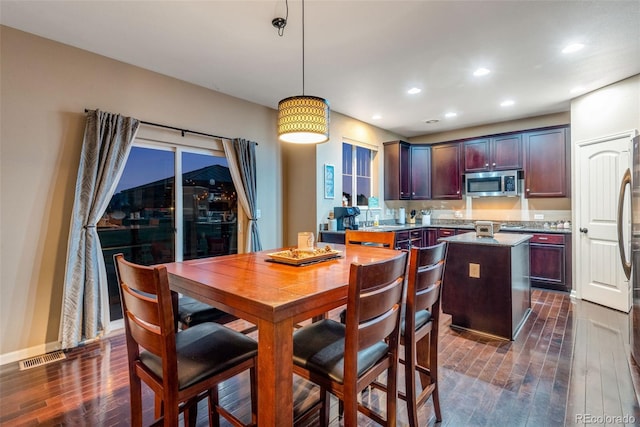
486	287
446	171
546	163
420	172
492	154
397	165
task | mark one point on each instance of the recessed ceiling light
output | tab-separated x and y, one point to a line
431	121
573	47
451	114
376	117
414	90
507	103
481	72
577	89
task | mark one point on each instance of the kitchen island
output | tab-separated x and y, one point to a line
486	286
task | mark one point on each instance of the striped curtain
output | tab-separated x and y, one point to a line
106	145
241	157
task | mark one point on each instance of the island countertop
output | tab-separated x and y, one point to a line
498	239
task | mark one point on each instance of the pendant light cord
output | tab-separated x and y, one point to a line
302	47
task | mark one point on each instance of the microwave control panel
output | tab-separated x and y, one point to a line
509	183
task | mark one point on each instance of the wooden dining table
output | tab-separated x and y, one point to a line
275	297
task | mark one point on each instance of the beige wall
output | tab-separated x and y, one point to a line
45	87
610	110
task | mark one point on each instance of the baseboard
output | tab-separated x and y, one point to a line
26	353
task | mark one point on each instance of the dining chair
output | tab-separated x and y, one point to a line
420	327
181	367
385	239
343	359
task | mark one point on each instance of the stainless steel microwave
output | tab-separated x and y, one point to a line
496	184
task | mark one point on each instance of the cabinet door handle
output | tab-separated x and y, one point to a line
584	230
493	164
543	238
486	165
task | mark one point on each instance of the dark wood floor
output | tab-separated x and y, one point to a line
569	364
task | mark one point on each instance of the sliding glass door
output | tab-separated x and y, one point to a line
153	219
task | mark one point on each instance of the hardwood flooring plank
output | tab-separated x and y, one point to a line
570	358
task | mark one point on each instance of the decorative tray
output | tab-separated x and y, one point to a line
303	257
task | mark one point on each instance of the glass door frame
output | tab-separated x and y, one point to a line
178	150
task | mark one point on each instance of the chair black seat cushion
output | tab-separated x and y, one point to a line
319	347
192	312
204	350
422	318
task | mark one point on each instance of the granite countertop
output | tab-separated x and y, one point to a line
498	239
464	225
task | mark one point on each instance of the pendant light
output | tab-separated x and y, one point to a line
303	119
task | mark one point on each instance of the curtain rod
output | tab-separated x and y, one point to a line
182	131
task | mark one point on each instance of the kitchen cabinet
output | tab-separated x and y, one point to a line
496	153
429	236
407	171
420	172
446	172
397	165
546	163
407	239
550	261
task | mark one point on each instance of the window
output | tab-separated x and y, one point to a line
356	174
144	222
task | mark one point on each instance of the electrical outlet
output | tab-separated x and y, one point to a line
538	216
474	270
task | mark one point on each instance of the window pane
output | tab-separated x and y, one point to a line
364	190
209	207
139	221
363	158
347	159
347	173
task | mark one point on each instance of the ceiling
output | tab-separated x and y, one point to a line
363	56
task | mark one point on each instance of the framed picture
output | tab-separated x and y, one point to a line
329	181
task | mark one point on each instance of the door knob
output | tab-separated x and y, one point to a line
584	230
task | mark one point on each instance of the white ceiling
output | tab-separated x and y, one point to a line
363	56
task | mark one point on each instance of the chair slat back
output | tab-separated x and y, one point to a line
147	305
374	300
426	268
371	238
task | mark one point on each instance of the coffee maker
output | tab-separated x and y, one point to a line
346	217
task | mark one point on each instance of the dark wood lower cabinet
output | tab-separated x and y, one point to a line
550	262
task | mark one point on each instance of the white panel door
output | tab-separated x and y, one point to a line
600	165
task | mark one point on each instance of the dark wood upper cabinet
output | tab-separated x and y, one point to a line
446	171
493	154
546	163
397	164
420	172
407	171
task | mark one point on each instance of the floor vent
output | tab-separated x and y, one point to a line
41	360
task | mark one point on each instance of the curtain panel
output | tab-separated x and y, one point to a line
241	156
106	145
